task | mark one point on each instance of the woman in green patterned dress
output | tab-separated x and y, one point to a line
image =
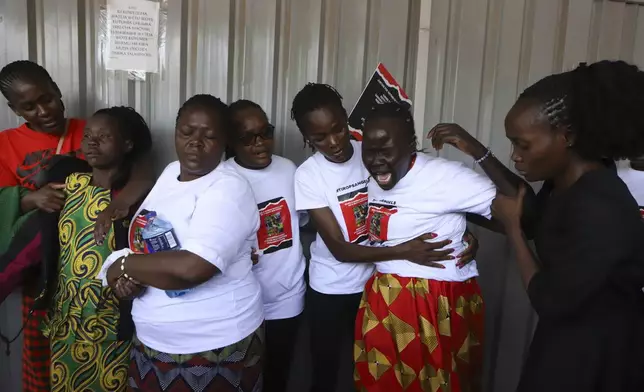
89	326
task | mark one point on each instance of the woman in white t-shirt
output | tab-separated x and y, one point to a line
421	327
332	187
209	338
280	263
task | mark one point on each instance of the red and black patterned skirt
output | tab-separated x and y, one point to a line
35	352
418	335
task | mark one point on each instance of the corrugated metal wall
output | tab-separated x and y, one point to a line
461	60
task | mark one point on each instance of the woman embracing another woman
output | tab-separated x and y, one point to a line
208	337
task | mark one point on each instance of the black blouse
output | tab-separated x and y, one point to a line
588	292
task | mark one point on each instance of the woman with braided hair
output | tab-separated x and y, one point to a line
90	327
25	153
585	279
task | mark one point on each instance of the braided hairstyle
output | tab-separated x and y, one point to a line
601	104
132	127
314	96
24	71
211	103
395	111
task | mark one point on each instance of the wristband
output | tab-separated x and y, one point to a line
484	157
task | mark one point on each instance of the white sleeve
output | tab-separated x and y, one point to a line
469	191
111	259
308	196
224	218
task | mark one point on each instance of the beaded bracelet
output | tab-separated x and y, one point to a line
123	273
484	157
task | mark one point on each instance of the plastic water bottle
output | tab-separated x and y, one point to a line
159	236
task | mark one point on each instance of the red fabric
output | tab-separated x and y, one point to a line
25	152
28	256
35	351
417	335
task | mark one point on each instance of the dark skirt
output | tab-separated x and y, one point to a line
237	367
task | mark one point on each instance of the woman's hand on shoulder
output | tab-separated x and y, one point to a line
456	136
115	210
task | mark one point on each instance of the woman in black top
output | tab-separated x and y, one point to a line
585	279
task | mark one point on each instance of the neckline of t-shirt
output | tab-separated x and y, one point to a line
25	127
175	176
408	180
253	171
600	172
69	126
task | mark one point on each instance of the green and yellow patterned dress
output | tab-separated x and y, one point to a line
82	324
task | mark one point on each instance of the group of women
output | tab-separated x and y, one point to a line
391	269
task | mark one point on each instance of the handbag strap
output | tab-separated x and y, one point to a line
62	139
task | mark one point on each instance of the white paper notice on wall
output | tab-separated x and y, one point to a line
132	35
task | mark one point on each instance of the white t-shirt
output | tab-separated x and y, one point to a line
281	265
342	187
433	197
214	217
634	180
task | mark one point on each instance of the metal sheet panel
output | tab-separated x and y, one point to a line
463	61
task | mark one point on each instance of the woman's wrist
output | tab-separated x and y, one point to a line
514	231
479	151
26	203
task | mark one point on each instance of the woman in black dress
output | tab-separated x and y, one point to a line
585	279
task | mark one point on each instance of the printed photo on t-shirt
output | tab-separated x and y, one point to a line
353	203
275	231
378	222
136	242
